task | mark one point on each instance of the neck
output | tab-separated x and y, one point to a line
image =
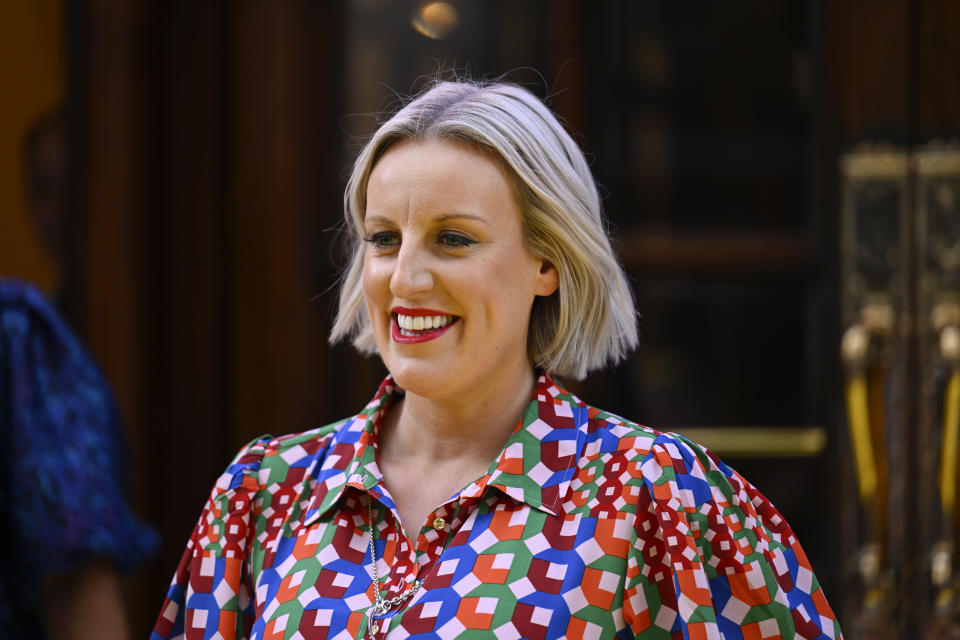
471	427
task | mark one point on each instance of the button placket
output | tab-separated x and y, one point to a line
433	538
399	557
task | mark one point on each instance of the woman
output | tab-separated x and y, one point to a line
66	530
474	497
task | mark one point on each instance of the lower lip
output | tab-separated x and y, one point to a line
420	337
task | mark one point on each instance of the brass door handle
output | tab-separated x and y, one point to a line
942	557
950	353
854	347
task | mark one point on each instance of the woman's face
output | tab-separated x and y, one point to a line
447	279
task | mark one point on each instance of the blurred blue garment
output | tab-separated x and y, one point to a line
62	461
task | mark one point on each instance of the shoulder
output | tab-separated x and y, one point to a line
668	466
695	529
269	459
673	486
606	436
633	468
608	433
267	472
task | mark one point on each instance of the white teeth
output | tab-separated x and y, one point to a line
420	323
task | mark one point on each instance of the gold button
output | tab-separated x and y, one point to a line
439	524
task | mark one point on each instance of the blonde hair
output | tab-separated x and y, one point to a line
590	320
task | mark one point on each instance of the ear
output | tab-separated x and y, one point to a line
548	279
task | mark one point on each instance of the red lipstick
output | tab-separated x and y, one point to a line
419	312
419	336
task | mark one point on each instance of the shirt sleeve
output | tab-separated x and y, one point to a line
63	454
211	592
712	557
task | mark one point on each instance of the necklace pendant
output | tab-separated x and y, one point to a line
374	626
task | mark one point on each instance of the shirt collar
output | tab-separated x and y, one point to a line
535	465
539	459
349	459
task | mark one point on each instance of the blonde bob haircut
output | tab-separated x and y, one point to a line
590	320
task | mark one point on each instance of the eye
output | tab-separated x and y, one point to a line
382	240
451	240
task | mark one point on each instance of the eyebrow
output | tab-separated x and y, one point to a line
437	220
453	216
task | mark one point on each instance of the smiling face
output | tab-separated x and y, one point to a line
447	279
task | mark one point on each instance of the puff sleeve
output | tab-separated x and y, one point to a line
64	462
713	558
210	595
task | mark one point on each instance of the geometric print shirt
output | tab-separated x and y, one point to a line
585	526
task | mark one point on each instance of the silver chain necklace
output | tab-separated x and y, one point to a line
381	605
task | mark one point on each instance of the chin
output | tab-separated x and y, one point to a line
423	378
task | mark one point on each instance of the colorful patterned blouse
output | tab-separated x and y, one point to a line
586	526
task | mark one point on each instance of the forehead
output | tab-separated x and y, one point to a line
433	156
438	175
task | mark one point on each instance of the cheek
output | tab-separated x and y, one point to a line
372	293
371	280
374	300
365	279
514	280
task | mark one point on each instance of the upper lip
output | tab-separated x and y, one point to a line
419	312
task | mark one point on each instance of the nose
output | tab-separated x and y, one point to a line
411	273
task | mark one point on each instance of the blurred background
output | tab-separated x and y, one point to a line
171	173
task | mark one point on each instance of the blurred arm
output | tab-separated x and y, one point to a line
85	604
